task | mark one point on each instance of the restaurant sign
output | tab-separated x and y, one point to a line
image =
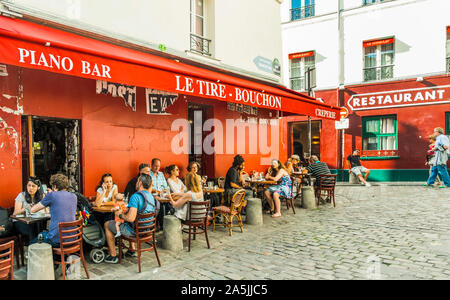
126	73
400	98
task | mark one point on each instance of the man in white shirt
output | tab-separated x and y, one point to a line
440	158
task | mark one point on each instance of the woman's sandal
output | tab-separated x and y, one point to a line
269	212
277	215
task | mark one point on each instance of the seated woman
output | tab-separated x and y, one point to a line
293	164
176	185
106	190
25	200
194	193
193	167
278	172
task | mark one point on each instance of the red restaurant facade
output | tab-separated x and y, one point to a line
390	123
86	107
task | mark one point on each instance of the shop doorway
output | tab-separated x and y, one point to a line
198	114
51	146
299	139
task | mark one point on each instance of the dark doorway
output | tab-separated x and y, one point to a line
198	114
53	147
299	138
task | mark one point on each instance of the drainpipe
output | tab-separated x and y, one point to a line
341	78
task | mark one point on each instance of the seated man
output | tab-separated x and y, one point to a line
63	206
316	168
234	180
160	188
141	202
356	167
131	186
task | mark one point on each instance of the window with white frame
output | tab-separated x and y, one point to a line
301	9
378	59
367	2
199	43
301	64
379	132
447	59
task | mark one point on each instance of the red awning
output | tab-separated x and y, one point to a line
30	45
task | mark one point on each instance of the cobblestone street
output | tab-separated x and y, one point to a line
381	232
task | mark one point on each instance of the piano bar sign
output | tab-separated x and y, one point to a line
400	98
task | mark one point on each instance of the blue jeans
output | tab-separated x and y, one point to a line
45	240
442	170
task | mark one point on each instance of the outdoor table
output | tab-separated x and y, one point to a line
33	218
301	176
257	183
216	191
104	213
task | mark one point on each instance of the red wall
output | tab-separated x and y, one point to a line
414	124
10	141
114	139
329	149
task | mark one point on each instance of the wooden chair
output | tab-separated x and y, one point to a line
18	247
237	203
70	242
18	243
145	226
6	261
327	183
197	219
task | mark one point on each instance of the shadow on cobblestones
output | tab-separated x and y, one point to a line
381	232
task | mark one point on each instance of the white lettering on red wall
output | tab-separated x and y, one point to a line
250	97
400	98
325	113
53	61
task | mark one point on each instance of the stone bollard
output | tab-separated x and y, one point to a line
308	197
172	235
254	211
353	179
40	262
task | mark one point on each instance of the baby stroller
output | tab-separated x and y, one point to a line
93	234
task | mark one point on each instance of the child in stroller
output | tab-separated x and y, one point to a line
93	234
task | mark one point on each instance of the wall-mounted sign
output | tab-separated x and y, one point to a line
276	67
342	124
373	43
267	65
231	106
400	98
301	54
158	101
127	93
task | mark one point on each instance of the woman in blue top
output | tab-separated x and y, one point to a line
278	172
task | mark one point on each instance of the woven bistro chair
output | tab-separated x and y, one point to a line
197	219
145	225
6	261
234	210
221	182
70	242
327	184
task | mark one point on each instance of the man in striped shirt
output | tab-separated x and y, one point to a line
316	168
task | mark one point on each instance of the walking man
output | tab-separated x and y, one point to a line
439	161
